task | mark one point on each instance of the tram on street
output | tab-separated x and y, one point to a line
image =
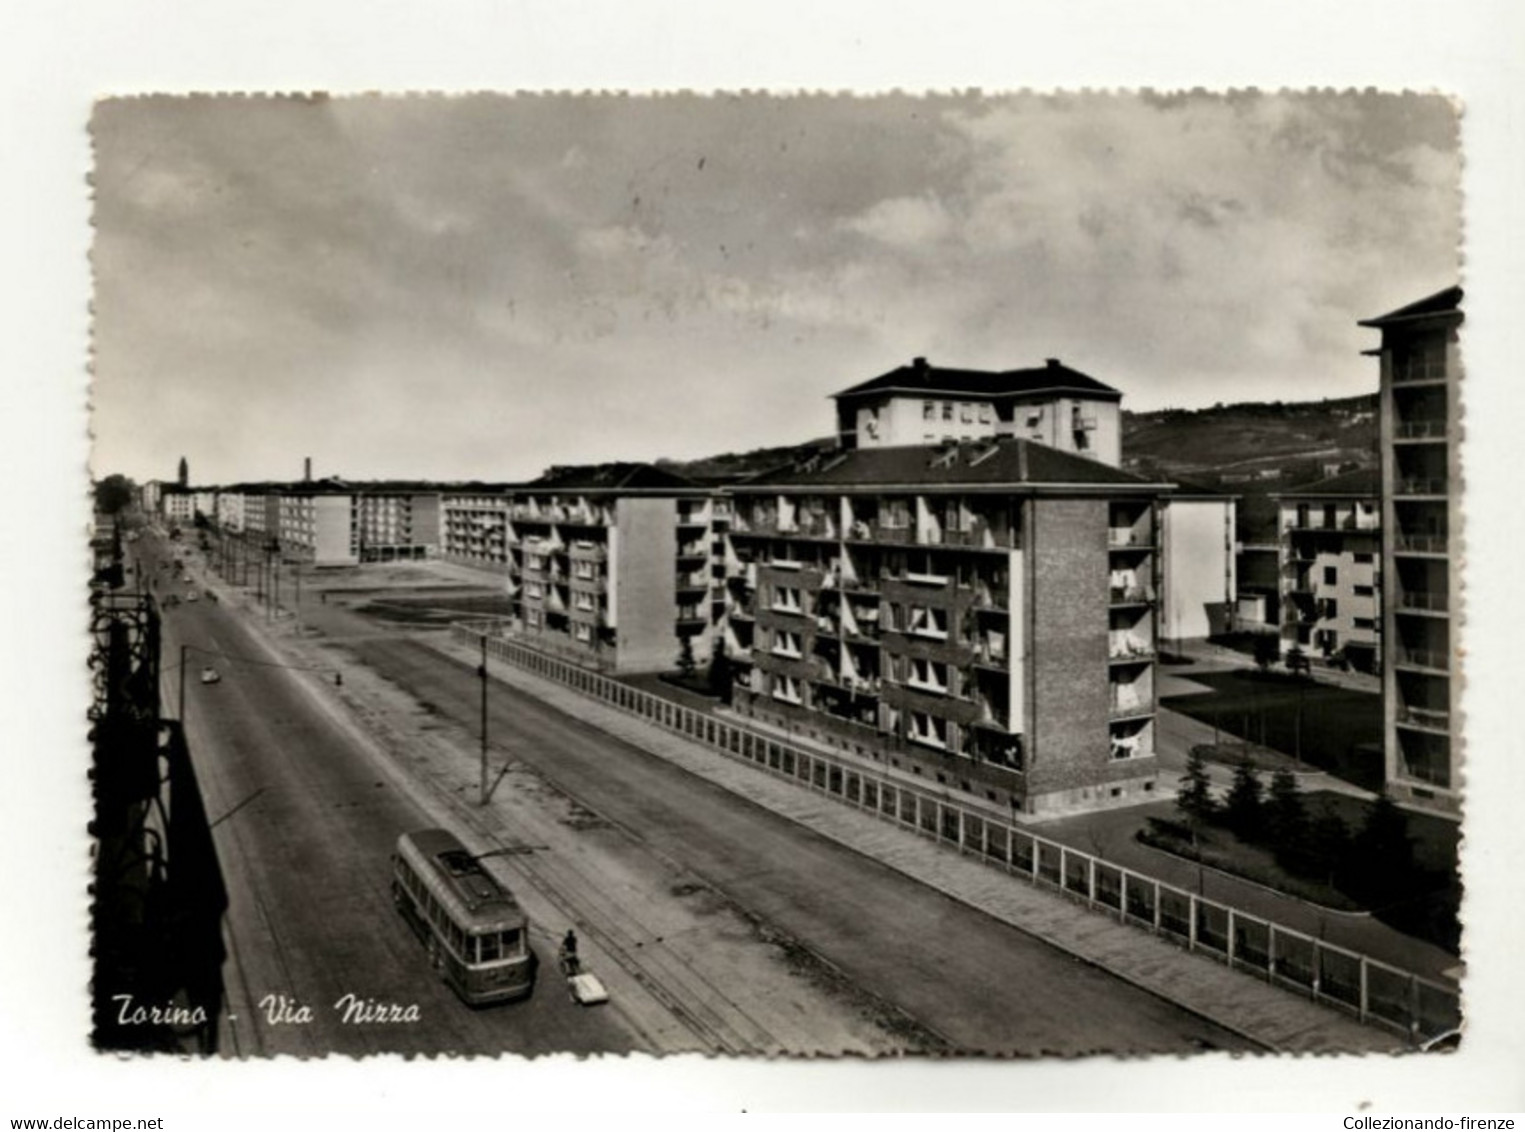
476	933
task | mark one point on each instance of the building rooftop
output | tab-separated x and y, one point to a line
1363	483
1009	462
1441	302
920	378
614	477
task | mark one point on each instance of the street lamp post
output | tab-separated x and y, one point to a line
184	651
482	672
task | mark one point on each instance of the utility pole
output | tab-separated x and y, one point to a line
184	650
482	672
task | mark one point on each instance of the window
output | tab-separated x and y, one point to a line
1363	558
786	599
927	622
1364	622
929	410
984	414
1034	418
929	675
947	410
1331	575
582	632
583	602
786	688
927	729
1365	591
966	412
786	643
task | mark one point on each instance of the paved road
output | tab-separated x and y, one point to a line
304	822
979	983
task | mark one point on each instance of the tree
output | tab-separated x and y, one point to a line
1194	798
1243	809
1328	842
686	664
1286	820
1266	650
719	675
1382	853
113	494
1298	662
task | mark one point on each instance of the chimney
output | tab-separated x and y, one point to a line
1053	363
919	365
307	469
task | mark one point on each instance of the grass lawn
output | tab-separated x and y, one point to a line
1432	912
1220	849
439	610
1264	708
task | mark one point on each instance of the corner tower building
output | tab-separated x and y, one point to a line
1421	493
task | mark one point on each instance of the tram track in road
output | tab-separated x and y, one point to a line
779	887
684	985
718	1022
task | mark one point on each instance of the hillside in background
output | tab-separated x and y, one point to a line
1253	449
734	466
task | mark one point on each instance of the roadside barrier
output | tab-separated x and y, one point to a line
1367	988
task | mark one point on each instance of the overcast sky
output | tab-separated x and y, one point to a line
477	288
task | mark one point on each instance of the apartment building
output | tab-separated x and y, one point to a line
1421	370
179	506
474	526
1198	564
317	524
926	404
230	510
149	495
983	614
613	565
1330	543
397	524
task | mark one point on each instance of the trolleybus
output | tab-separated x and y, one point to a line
476	933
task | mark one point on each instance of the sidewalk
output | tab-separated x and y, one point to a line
1278	1019
1109	834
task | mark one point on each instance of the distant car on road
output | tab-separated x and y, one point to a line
210	675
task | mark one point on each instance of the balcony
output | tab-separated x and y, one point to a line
991	654
980	535
1129	595
1127	703
1428	719
1126	538
1420	430
1424	369
993	715
815	526
1127	647
1418	601
1419	544
1421	486
1432	659
921	579
692	551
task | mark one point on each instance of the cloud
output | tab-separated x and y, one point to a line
686	274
